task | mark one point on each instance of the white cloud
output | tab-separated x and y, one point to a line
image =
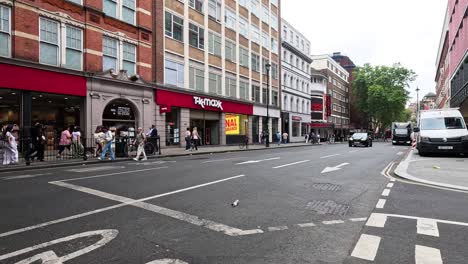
379	32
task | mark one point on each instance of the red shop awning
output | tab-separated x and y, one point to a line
30	79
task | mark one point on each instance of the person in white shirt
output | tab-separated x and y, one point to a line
109	139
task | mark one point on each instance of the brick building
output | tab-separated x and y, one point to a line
442	77
211	60
76	62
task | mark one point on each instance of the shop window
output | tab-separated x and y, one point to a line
196	79
10	106
230	50
121	9
236	128
197	5
215	83
304	129
196	36
296	128
5	31
172	127
174	26
174	73
214	44
214	9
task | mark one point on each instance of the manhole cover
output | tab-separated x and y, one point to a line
327	187
328	207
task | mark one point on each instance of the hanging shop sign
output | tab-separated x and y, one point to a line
232	125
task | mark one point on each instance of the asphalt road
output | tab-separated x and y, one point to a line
296	205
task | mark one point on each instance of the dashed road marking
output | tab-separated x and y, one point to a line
306	225
333	222
427	255
390	185
329	156
167	261
381	203
277	228
219	160
428	227
256	161
366	247
362	219
94	169
392	179
386	192
290	164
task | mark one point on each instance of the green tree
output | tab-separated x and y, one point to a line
380	92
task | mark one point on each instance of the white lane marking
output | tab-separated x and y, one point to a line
257	161
107	235
392	180
290	164
24	176
400	153
362	219
338	167
195	220
352	151
390	185
219	160
428	227
65	219
92	169
333	222
377	220
380	204
306	225
151	163
329	156
427	255
386	192
277	228
111	174
366	247
167	261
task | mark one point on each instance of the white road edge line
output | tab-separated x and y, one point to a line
211	161
290	164
111	174
380	204
386	192
65	219
277	228
329	156
366	247
24	176
427	255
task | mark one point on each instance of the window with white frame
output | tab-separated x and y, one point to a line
255	62
230	18
214	44
196	78
5	31
110	53
274	98
255	36
243	27
265	61
243	3
230	50
196	36
214	9
274	71
54	50
255	7
174	73
215	83
274	22
231	87
244	57
197	5
274	2
274	45
79	2
129	58
244	89
265	14
174	26
265	40
121	9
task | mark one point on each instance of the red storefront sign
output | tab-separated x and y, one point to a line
30	79
321	125
168	99
317	107
328	104
296	118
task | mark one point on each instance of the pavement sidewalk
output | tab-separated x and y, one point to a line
166	152
449	172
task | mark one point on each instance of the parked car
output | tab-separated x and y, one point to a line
360	139
441	131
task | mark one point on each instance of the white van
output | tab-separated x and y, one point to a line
441	130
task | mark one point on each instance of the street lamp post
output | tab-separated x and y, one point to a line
267	144
417	103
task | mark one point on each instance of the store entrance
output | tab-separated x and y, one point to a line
120	114
207	129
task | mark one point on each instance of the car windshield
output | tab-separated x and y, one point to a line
359	135
401	131
442	123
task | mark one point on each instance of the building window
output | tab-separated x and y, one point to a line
255	7
215	83
256	93
53	52
243	2
230	50
196	79
265	61
5	31
265	40
243	90
214	44
197	5
129	58
274	100
243	27
265	14
231	87
296	128
255	36
274	71
255	62
174	73
174	27
214	9
274	46
121	9
274	22
274	2
113	59
264	95
244	57
109	53
230	18
196	36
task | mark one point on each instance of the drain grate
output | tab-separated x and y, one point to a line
328	207
327	187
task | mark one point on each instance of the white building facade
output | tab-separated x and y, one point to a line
295	83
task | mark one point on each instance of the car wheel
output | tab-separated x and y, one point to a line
422	153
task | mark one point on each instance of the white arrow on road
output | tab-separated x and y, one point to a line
256	161
338	167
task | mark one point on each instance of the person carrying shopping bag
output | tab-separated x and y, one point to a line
139	141
108	145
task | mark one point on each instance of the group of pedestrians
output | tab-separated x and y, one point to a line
104	138
70	138
192	139
312	137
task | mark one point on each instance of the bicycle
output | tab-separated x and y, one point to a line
244	144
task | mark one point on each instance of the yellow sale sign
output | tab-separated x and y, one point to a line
232	125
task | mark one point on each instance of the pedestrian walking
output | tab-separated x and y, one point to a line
188	139
318	137
11	149
310	136
195	138
108	145
99	138
306	138
77	146
38	141
278	137
65	141
139	141
285	137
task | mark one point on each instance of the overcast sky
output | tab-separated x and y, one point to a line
379	32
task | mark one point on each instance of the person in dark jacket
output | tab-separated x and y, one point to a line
38	140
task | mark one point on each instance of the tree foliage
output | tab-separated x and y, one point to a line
380	92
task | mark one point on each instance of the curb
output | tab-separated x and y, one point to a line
86	162
402	171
